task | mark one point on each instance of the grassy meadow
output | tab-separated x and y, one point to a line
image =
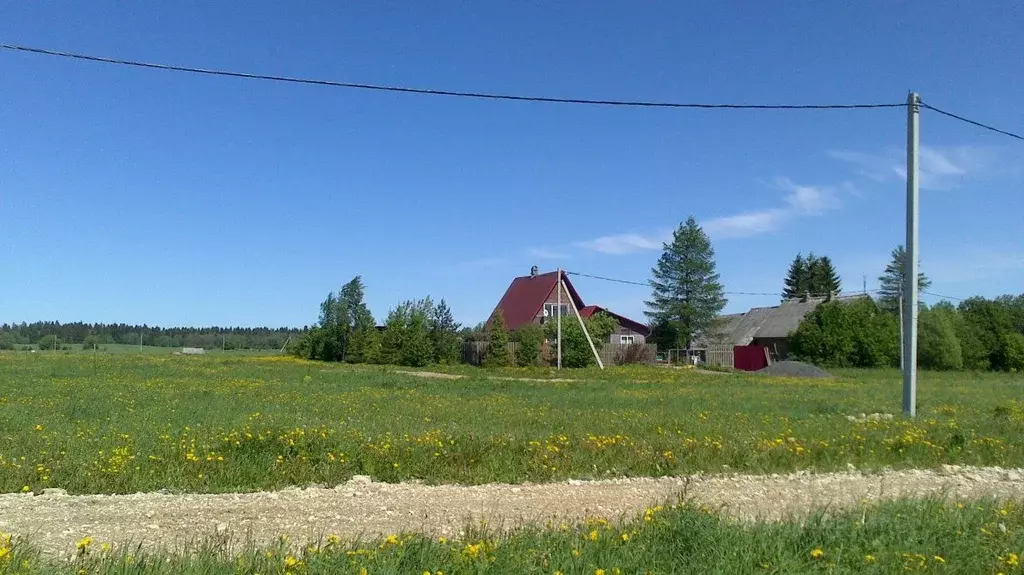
118	423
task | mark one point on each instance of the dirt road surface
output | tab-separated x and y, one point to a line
55	521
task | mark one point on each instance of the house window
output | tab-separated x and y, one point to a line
551	309
626	340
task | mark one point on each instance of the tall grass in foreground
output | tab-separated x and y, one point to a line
119	423
899	536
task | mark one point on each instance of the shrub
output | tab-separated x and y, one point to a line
634	353
530	339
848	334
576	351
937	345
497	343
1010	354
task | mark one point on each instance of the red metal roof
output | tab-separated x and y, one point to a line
623	320
525	298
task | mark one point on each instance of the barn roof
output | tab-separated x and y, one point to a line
624	321
526	295
764	322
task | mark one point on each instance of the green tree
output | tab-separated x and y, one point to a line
989	322
529	340
847	334
811	275
91	341
1010	354
417	348
364	345
796	284
576	350
392	340
664	334
497	342
444	335
892	281
406	339
47	342
7	341
937	344
822	277
686	291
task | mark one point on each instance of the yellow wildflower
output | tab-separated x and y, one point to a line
4	552
593	535
290	561
869	558
472	550
817	553
625	536
83	544
599	572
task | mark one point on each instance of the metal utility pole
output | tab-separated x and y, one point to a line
558	314
910	270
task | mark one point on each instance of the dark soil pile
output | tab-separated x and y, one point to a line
794	369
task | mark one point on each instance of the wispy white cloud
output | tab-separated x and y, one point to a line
940	168
618	244
800	200
746	224
546	254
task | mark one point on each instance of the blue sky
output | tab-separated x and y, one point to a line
131	195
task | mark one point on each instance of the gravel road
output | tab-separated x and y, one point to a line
54	520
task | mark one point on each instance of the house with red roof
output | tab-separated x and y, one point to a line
534	299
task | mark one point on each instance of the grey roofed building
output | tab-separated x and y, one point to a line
769	326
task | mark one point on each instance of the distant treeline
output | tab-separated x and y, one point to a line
43	333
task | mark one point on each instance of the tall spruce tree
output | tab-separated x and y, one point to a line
685	288
795	284
891	288
812	275
823	279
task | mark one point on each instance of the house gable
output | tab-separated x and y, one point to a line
525	297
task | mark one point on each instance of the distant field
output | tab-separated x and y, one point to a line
129	422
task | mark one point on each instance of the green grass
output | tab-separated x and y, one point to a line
898	536
125	423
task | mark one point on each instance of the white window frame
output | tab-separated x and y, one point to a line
552	308
627	339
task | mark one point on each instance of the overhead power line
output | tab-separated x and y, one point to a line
943	296
755	293
439	92
969	121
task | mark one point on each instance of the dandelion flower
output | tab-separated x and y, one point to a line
817	553
869	558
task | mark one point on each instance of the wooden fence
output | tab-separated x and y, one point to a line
611	353
714	355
